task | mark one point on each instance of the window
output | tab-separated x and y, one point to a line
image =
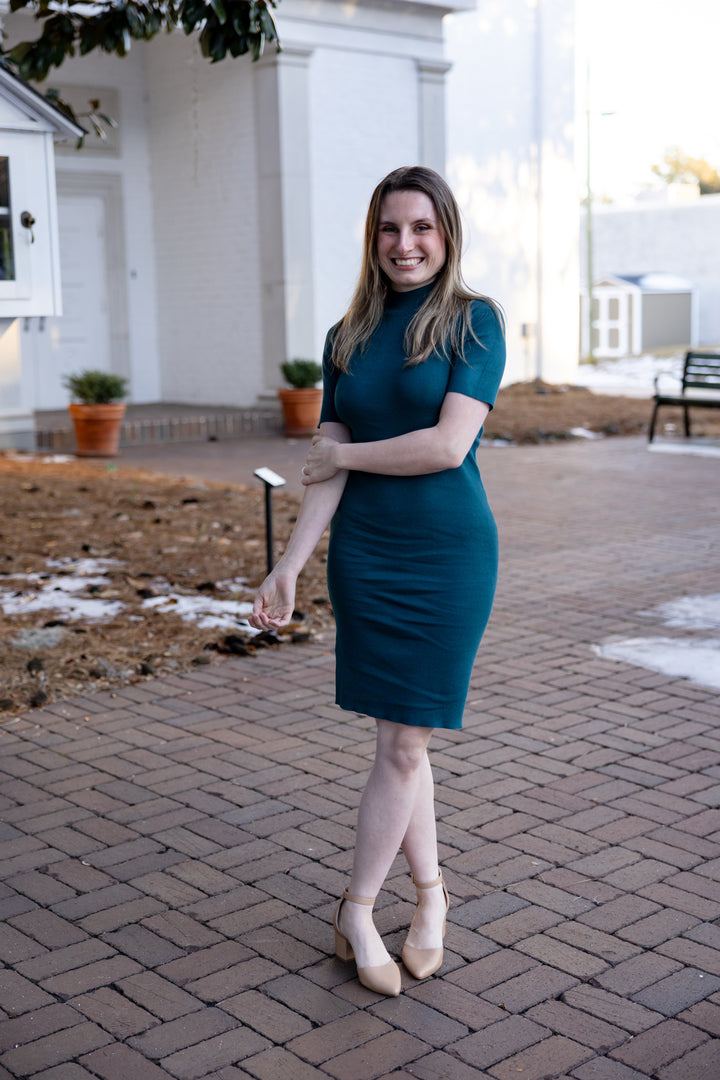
7	256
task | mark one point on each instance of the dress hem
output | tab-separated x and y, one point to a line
384	712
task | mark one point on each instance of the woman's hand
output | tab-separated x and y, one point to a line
320	462
274	601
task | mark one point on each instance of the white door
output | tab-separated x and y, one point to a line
612	323
80	337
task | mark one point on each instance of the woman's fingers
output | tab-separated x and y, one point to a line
319	463
274	603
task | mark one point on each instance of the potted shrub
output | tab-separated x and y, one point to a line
96	411
301	405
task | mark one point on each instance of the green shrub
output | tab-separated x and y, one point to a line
95	387
301	374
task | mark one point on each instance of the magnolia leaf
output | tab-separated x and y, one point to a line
219	9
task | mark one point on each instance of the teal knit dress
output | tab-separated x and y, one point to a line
412	561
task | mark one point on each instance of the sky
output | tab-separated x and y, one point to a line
654	66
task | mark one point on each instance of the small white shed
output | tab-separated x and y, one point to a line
636	313
29	254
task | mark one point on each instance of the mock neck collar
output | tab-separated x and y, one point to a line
408	301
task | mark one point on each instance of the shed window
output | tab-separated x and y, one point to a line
7	258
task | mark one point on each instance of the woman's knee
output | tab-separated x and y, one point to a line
401	747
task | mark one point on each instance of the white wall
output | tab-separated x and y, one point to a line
202	138
511	163
678	239
358	140
364	117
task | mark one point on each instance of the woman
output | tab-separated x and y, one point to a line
410	373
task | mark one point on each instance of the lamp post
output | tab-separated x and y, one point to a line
588	222
589	216
271	480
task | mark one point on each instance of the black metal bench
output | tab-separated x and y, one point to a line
700	388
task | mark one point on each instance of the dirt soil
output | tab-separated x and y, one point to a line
130	539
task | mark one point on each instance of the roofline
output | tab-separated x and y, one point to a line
27	95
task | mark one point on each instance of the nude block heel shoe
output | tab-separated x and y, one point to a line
382	978
421	963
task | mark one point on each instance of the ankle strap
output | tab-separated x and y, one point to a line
427	884
358	899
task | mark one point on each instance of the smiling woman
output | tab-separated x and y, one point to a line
410	373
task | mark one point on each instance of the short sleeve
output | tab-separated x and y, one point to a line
478	375
330	378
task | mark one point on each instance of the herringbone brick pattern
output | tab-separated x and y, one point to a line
172	852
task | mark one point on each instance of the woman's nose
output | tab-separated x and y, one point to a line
404	241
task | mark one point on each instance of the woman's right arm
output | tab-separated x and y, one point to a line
275	599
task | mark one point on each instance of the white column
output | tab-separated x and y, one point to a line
282	117
431	112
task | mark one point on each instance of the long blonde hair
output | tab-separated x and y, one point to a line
443	322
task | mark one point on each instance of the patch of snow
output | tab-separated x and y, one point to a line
683	658
630	376
584	433
680	657
83	567
57	593
38	637
691	612
706	448
42	459
206	611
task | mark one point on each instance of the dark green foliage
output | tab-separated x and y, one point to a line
301	374
95	387
224	26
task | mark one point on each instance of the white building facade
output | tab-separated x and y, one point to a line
218	230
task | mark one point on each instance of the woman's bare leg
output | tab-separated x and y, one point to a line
420	847
419	843
386	808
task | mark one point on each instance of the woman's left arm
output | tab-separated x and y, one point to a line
428	450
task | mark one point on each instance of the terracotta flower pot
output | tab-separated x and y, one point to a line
97	429
301	409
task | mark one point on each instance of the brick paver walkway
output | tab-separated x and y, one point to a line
172	852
